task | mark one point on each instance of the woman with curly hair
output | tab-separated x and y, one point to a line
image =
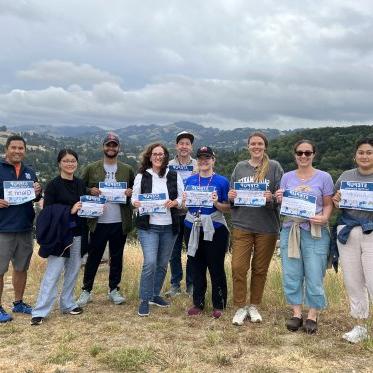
157	232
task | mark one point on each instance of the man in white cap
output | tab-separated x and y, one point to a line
113	226
184	164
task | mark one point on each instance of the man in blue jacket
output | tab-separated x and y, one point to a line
16	243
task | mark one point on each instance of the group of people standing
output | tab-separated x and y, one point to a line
304	243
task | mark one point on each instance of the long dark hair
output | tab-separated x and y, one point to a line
365	140
305	141
63	152
147	163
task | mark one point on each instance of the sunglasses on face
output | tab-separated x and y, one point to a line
307	153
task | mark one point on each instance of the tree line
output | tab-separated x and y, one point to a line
335	151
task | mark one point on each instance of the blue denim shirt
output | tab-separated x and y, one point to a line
349	223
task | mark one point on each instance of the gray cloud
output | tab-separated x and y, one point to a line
65	73
222	63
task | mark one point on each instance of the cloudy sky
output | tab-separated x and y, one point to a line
221	63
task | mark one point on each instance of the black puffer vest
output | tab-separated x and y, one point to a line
142	222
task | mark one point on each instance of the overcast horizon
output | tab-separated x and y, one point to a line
224	64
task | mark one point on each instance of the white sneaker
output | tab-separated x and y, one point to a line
254	314
240	316
357	334
84	298
116	297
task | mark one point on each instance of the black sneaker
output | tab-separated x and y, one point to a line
159	301
76	311
37	320
143	308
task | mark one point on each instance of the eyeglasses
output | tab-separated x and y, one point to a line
65	161
307	153
158	155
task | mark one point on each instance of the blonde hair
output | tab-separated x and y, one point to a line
263	167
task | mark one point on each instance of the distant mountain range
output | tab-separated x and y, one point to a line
138	136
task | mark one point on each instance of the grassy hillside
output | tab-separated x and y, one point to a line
109	338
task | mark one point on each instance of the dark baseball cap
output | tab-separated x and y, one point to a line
205	151
111	137
184	134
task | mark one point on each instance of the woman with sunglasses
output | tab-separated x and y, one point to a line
255	229
305	243
59	233
355	243
157	232
206	235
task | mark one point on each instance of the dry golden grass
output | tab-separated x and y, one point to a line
109	338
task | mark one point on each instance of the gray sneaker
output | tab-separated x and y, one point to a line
189	290
173	292
84	298
116	297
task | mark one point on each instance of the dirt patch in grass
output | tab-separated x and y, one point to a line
110	338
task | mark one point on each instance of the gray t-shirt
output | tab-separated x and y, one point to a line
112	210
355	175
257	219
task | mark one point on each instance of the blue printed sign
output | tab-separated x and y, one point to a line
250	194
183	170
113	191
152	203
298	204
356	195
92	206
18	192
199	196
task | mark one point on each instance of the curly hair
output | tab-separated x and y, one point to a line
147	163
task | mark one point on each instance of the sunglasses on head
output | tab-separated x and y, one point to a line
307	153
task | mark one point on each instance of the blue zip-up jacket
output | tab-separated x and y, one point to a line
53	232
16	218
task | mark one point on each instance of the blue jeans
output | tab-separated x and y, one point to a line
49	285
156	243
175	261
304	277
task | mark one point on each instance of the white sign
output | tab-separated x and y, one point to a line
356	195
298	204
183	170
199	196
152	203
113	191
18	192
250	194
92	206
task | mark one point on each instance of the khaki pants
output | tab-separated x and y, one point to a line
262	245
356	258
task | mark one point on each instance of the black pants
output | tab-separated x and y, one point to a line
210	255
113	233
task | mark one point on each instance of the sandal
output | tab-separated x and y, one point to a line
294	323
310	326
